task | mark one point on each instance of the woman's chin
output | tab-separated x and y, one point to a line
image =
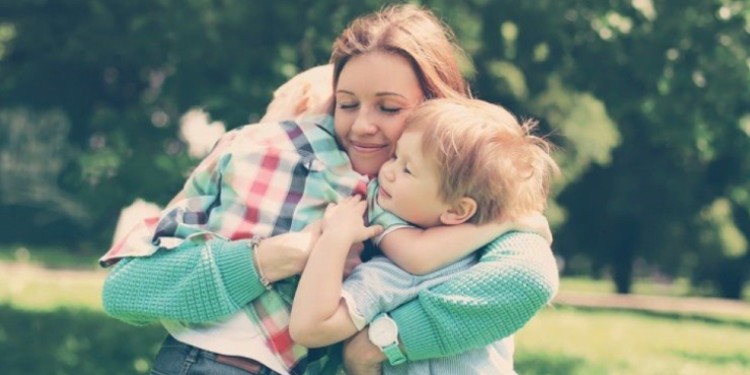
368	168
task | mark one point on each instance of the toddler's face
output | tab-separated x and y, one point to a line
409	183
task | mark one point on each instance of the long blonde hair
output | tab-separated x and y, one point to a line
414	33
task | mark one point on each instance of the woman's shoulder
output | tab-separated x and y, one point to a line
520	244
525	254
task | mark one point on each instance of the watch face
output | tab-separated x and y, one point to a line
383	332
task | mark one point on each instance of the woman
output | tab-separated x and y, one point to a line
224	294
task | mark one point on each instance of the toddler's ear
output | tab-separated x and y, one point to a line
460	212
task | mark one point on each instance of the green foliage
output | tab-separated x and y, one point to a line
648	101
73	341
588	134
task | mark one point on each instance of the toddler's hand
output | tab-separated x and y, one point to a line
346	219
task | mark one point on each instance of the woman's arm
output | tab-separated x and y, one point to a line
515	278
413	249
197	282
191	283
319	314
194	274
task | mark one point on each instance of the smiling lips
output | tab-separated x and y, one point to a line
382	193
367	148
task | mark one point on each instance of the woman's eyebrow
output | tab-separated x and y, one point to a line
388	93
384	93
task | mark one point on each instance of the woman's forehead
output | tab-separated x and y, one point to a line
379	73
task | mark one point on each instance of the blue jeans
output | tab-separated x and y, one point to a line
176	358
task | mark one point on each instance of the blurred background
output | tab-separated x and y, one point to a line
107	104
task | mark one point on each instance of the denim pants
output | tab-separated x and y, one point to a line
176	358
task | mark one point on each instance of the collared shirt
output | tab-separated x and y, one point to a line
376	214
259	181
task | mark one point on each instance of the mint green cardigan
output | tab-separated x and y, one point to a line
516	277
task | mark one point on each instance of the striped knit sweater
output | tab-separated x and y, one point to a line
515	277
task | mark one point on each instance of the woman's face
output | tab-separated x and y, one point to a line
375	93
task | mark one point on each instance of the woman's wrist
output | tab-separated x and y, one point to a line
279	257
254	244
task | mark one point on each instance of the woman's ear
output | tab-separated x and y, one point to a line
460	212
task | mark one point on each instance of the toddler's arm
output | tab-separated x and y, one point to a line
319	314
421	251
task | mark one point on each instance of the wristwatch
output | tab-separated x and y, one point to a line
383	333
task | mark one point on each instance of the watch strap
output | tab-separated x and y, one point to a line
391	350
394	354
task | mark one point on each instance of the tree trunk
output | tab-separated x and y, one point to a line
623	256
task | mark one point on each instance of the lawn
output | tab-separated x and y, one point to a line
51	322
565	340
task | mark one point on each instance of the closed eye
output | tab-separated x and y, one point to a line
346	106
390	110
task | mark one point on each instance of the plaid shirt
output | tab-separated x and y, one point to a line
259	180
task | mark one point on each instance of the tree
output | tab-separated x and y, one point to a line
647	99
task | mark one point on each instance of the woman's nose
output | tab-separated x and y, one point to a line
363	124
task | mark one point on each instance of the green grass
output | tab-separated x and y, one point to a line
49	257
679	287
30	287
51	322
573	341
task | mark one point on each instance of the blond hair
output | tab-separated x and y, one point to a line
484	153
414	33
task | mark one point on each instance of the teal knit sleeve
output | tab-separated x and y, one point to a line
195	282
515	277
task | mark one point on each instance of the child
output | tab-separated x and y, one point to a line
464	172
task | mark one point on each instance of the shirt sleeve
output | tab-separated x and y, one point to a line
184	215
376	286
516	277
196	282
379	285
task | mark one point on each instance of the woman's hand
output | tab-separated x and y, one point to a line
285	255
361	357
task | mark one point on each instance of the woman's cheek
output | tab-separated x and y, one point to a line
396	128
341	124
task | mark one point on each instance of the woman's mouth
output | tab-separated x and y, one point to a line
367	148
